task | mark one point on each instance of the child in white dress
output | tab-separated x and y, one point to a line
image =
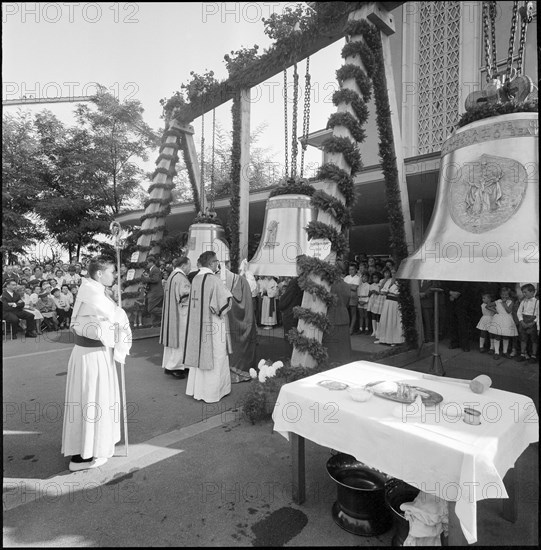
375	301
488	310
502	326
362	305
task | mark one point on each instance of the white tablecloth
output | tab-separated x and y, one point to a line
437	452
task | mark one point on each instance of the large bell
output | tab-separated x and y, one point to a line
203	237
485	224
284	236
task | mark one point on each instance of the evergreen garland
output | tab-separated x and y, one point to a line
496	109
344	181
309	345
351	97
357	47
349	70
350	122
307	264
293	187
320	230
234	215
318	291
319	320
392	190
347	148
168	186
333	206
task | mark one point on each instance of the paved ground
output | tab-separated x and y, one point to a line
198	474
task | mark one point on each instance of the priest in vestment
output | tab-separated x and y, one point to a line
242	326
102	336
207	336
174	314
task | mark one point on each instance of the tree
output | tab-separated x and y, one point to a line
263	170
118	137
19	192
88	173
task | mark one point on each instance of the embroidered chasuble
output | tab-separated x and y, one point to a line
175	309
242	327
207	335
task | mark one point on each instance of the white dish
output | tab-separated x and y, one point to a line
359	394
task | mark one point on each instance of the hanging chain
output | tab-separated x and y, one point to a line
511	42
492	12
486	39
285	124
294	143
202	198
526	14
212	160
306	114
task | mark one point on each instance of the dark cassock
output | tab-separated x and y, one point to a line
242	327
207	338
155	293
174	314
291	298
338	340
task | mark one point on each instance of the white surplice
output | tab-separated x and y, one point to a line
92	410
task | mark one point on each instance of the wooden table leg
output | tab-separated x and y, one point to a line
456	536
298	468
510	505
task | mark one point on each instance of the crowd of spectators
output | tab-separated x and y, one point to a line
45	290
503	319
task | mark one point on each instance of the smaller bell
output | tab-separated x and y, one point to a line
284	236
203	237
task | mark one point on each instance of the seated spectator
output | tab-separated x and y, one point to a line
67	295
37	274
30	300
13	310
62	308
47	307
59	276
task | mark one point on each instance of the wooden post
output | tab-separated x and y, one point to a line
244	187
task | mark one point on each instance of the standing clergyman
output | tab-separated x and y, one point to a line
207	337
175	311
102	336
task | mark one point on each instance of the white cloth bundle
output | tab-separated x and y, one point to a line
428	517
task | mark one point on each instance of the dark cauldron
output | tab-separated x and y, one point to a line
360	505
396	493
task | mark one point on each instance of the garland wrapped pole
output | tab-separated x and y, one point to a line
333	202
244	181
157	207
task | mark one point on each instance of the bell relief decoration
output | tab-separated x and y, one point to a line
487	192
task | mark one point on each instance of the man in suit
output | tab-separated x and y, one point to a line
291	298
338	339
459	298
155	291
12	310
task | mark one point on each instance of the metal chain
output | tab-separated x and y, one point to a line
306	114
526	14
492	11
486	39
202	198
212	161
294	143
511	42
285	124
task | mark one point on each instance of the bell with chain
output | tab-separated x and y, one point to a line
485	225
204	235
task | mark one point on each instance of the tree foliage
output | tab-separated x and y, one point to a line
76	179
19	192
